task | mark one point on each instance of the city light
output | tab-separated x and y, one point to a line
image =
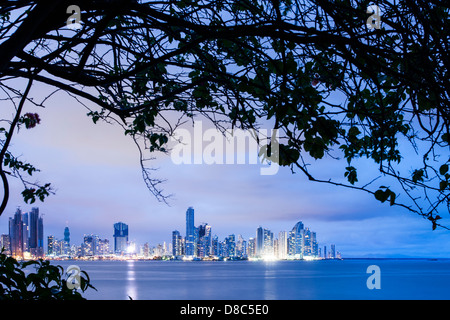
199	243
131	248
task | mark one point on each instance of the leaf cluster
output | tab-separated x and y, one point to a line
46	282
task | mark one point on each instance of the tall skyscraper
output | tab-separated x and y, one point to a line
177	243
120	238
241	247
190	232
51	245
26	232
66	240
296	241
259	248
215	246
282	245
230	243
89	245
268	243
251	247
36	233
16	234
314	245
204	240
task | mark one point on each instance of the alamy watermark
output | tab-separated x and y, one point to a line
236	146
74	279
374	280
374	21
74	21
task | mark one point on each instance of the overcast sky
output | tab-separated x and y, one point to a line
95	169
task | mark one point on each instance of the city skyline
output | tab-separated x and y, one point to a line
166	239
199	242
98	181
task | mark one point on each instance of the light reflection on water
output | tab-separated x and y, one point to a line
259	280
131	287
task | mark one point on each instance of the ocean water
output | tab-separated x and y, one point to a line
260	280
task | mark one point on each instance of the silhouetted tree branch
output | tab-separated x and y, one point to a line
315	70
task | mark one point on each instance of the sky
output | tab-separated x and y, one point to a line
96	173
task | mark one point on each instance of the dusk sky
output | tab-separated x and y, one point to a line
95	171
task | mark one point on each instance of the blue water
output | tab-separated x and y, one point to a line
259	280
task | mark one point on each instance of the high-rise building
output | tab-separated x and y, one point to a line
120	238
333	251
307	249
102	247
16	234
36	233
26	232
296	240
146	250
230	245
51	245
241	247
259	248
282	251
215	246
177	249
251	247
204	240
314	245
268	243
89	245
66	240
5	244
190	232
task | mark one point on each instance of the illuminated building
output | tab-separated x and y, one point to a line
177	243
16	234
36	225
282	247
259	247
51	246
190	232
66	248
5	244
120	238
251	247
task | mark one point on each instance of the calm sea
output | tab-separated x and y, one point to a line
259	280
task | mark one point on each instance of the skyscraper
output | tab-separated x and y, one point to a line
204	240
36	233
296	240
66	240
230	243
259	248
190	232
5	244
16	234
251	247
26	232
177	242
51	244
314	245
268	243
120	238
282	245
215	246
241	247
89	245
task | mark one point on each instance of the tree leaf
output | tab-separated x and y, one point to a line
443	169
